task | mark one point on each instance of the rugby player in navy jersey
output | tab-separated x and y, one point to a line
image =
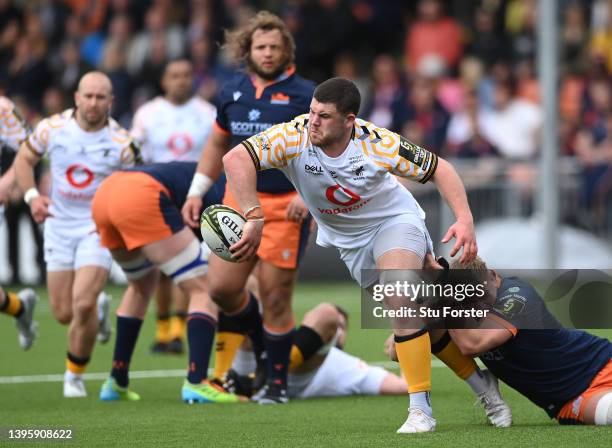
267	93
566	372
137	214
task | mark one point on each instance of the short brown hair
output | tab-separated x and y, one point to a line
239	42
477	265
341	92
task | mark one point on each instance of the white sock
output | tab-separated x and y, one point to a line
100	312
420	400
69	376
478	382
244	362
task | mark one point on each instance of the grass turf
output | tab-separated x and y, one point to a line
161	419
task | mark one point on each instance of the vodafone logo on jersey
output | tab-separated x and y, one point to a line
345	198
79	176
180	144
339	195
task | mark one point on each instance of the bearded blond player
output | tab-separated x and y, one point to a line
84	145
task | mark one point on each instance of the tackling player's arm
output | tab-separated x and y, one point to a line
208	170
24	164
474	341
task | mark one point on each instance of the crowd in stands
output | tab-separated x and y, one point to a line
457	76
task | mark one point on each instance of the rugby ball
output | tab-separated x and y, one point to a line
221	227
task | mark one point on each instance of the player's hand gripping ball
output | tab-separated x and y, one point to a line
221	227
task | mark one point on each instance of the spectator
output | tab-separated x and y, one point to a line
156	30
433	35
464	138
422	107
385	88
514	124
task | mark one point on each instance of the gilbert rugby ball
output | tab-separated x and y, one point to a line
221	227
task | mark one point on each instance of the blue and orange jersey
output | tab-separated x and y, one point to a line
176	177
550	366
246	109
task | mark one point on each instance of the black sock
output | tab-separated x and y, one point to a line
307	341
278	349
247	321
127	335
200	335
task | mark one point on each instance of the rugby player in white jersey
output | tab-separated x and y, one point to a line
343	169
13	130
84	146
173	127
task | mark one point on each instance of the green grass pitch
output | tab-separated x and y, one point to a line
161	419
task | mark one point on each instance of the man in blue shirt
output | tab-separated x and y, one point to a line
566	372
268	93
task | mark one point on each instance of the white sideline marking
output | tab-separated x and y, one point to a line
143	374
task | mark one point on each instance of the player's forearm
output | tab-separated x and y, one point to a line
24	169
241	177
210	164
452	190
7	180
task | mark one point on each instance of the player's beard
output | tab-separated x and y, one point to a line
268	75
96	121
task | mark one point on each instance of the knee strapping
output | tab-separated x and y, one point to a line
190	263
136	268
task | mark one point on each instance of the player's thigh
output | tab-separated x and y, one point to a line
402	245
164	250
227	280
60	243
601	400
59	286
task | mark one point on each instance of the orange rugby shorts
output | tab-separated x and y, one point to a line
132	209
283	242
573	411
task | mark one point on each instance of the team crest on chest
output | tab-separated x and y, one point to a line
254	114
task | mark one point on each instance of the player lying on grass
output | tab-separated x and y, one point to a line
321	368
137	214
566	372
21	307
343	168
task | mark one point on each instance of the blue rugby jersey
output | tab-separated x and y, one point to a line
176	177
550	366
246	109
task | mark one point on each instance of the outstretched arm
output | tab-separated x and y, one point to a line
452	190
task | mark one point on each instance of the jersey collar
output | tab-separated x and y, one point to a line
260	87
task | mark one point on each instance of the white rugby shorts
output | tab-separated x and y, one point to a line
406	231
340	375
70	245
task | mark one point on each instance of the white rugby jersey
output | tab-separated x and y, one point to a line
13	128
352	195
167	132
79	160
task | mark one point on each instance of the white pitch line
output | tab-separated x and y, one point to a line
144	374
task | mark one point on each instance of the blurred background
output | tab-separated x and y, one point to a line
458	77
